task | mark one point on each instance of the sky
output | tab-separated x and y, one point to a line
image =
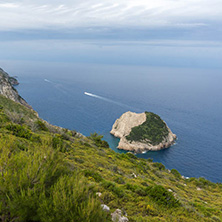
166	29
110	18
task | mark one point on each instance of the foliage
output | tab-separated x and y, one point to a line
175	173
98	140
112	187
162	196
19	131
70	200
96	176
41	126
153	130
159	166
57	142
35	186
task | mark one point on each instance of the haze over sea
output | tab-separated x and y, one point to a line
83	64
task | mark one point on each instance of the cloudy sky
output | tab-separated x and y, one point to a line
167	19
147	32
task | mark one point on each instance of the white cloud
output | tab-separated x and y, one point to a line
27	14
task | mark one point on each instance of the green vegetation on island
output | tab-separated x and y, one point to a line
152	131
49	173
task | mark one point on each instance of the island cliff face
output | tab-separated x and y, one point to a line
7	89
142	132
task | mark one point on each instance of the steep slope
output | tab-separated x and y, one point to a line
7	89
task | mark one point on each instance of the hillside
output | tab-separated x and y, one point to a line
53	174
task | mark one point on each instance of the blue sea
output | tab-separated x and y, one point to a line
90	96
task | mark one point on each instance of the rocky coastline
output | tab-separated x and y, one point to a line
7	89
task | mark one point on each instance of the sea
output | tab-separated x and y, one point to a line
88	94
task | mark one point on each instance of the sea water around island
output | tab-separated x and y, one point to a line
89	98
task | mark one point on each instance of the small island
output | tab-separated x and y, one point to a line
142	132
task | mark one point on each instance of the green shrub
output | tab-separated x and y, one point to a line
136	189
41	126
202	182
70	200
57	142
24	178
119	180
150	160
162	196
19	131
96	176
98	140
131	155
175	173
4	118
112	187
159	166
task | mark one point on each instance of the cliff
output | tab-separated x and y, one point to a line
142	132
7	89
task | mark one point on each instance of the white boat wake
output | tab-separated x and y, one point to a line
93	95
46	80
107	100
59	87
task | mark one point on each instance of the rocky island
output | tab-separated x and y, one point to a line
142	132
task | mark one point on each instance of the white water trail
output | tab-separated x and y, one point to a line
107	100
46	80
59	87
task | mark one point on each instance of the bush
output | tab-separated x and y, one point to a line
162	196
57	142
24	178
202	182
112	187
131	155
98	140
175	173
70	200
160	166
136	189
96	176
19	131
41	126
36	186
119	180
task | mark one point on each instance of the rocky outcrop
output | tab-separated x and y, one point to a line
117	216
7	89
123	126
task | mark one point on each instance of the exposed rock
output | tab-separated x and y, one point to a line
98	194
117	216
123	127
105	207
134	175
7	89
